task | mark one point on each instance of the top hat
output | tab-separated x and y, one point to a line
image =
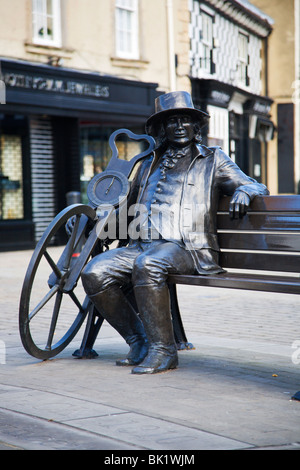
172	103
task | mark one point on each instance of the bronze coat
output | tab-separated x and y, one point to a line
211	174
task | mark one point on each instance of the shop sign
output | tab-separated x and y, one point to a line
260	107
57	85
220	97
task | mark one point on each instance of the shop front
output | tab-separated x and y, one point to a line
54	129
239	123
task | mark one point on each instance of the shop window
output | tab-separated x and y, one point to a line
126	18
11	178
95	151
46	22
243	59
236	141
218	133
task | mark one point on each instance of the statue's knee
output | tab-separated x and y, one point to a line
147	270
86	278
92	279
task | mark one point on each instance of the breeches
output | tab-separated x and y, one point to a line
140	264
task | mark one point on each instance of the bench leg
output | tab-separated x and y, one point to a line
94	323
92	328
179	333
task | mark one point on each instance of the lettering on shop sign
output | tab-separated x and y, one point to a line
261	107
71	87
220	96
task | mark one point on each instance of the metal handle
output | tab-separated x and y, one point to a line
124	165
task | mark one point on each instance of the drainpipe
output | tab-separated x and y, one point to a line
170	29
297	95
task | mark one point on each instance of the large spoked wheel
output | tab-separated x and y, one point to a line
44	331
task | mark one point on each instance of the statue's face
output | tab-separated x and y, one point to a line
179	129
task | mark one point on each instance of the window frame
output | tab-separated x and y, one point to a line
243	59
132	29
37	38
207	41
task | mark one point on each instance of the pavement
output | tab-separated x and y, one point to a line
232	392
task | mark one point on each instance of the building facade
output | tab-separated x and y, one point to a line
227	77
72	72
284	87
67	88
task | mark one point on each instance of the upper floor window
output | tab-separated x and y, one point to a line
127	29
207	42
243	59
46	22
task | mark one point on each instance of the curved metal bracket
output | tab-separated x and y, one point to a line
126	166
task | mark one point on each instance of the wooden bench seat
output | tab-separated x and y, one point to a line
261	251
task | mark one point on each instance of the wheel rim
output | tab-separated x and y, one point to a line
49	318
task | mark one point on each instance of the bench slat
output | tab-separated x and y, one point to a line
260	241
261	261
265	222
269	203
285	285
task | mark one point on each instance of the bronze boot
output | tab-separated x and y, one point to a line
119	313
154	307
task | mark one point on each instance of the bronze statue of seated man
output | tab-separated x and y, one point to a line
179	190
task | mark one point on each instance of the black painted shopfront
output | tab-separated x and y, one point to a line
54	129
249	126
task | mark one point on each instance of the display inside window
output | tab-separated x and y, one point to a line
11	177
95	151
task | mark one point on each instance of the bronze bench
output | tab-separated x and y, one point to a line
261	252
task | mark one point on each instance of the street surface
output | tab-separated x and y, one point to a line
233	391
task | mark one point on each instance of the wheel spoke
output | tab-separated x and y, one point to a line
53	265
54	319
43	302
70	245
76	301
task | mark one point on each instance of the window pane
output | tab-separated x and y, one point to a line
243	46
242	58
46	22
126	29
49	7
50	27
207	28
206	42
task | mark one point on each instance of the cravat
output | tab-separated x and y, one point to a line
169	160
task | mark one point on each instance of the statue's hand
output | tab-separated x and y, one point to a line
239	205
